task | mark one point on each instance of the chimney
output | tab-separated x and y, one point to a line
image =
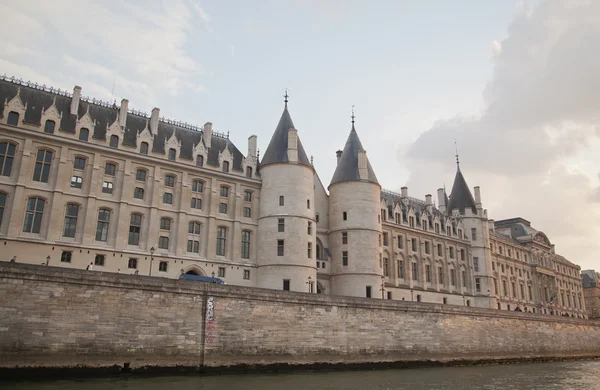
123	112
441	200
252	145
429	202
477	196
154	120
207	134
491	226
363	171
75	100
404	192
292	145
338	154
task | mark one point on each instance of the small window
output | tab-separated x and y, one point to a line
172	154
317	217
344	238
140	175
196	203
13	118
76	181
418	297
309	249
79	163
114	141
221	272
169	180
473	234
144	148
223	208
247	212
225	166
280	247
309	229
163	266
246	274
99	260
65	257
286	285
281	225
247	196
107	187
281	202
138	193
413	243
248	171
193	246
110	169
345	216
49	127
199	160
165	224
168	198
132	263
451	252
197	186
368	291
445	301
84	134
345	258
308	204
163	242
224	191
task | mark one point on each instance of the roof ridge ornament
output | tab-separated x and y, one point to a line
285	97
353	117
456	149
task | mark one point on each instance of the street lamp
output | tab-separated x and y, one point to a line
411	295
464	304
151	260
47	259
309	282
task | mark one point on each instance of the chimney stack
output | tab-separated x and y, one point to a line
477	196
252	145
338	154
429	202
75	100
363	171
154	120
123	112
404	192
207	134
441	200
293	145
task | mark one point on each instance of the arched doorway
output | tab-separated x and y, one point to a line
193	270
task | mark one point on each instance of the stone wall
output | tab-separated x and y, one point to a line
62	317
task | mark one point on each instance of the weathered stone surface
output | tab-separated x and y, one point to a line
61	317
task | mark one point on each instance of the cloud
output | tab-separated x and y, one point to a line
541	109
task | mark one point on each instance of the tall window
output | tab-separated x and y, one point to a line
440	275
102	226
309	249
169	181
344	238
400	242
172	154
140	175
7	154
197	188
344	258
225	166
144	148
453	277
135	226
2	204
428	273
138	193
281	225
33	215
223	208
110	169
84	134
49	127
248	171
224	191
245	244
476	264
247	196
114	141
281	201
464	279
415	273
42	166
401	269
473	234
344	216
165	224
71	220
199	160
247	212
13	118
163	242
193	244
309	228
221	240
280	247
386	267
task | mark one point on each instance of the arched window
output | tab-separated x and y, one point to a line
49	126
144	148
281	200
169	180
71	215
199	160
248	171
245	244
13	118
225	166
79	163
114	141
110	169
84	134
168	198
7	154
172	154
135	226
43	161
221	240
2	204
33	215
102	226
193	244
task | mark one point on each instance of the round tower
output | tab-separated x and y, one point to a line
354	204
286	223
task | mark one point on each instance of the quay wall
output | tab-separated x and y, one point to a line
57	317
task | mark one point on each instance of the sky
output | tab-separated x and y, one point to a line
511	84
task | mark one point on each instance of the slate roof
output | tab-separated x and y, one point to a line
105	115
347	168
460	196
419	206
277	151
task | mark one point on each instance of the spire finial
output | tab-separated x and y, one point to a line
286	96
352	116
456	148
311	160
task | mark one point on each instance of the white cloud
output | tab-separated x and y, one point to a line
496	48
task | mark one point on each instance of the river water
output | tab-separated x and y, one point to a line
559	375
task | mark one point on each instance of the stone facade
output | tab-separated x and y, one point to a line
52	316
84	182
591	292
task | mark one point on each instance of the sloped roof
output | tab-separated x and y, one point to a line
347	168
460	197
105	115
277	151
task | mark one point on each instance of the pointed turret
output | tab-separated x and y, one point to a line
353	164
460	197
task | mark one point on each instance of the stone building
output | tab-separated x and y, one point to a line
88	182
591	292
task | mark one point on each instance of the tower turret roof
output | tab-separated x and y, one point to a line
347	168
277	151
461	197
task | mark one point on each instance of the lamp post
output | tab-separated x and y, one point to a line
47	259
213	274
382	287
464	304
309	282
151	260
411	295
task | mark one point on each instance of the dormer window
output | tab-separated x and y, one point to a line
172	154
84	134
114	141
13	118
248	171
225	166
49	127
199	160
144	148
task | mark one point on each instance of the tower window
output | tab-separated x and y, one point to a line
308	203
281	200
280	247
345	216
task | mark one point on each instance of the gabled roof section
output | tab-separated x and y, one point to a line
347	168
460	197
277	151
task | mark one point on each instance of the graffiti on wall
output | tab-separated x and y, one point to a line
210	319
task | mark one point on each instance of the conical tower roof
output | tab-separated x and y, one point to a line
277	151
460	197
347	168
